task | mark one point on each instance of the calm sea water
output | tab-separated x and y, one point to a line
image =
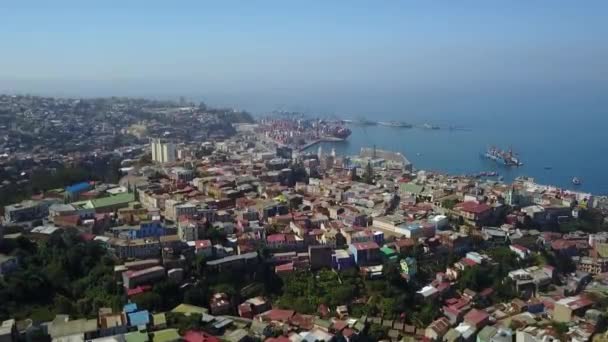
571	148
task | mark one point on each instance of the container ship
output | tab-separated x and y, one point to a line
507	158
339	132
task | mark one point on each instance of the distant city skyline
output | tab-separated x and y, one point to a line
315	56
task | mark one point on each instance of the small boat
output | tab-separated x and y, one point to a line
548	167
576	181
429	126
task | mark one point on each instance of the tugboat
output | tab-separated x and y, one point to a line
576	181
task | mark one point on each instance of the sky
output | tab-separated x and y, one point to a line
332	57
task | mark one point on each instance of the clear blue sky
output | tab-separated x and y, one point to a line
266	54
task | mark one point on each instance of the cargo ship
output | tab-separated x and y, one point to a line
339	132
398	124
507	158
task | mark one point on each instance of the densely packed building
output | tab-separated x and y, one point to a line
302	212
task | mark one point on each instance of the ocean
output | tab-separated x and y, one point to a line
569	150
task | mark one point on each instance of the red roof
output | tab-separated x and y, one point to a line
340	325
405	242
284	268
476	317
199	336
304	322
278	315
276	238
520	247
474	207
361	246
468	262
138	290
563	244
278	339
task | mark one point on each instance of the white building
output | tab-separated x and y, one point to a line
162	152
187	231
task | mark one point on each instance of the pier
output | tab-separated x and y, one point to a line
324	139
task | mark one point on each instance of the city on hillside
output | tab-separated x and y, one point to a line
135	220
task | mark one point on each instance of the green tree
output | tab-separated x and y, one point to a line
449	203
151	301
63	304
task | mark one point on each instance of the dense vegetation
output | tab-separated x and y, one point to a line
590	221
62	275
43	179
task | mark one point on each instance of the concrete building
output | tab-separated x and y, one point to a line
437	329
8	331
591	265
568	307
365	253
132	279
162	152
138	249
187	231
26	211
234	262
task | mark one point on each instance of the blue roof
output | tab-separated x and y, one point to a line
78	187
130	307
139	318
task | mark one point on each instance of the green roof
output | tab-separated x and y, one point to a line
388	251
602	249
411	188
322	323
451	335
159	319
486	334
137	336
165	335
236	335
124	198
188	309
78	326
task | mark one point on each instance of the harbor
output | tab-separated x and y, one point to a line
458	152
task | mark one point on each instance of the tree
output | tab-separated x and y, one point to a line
196	295
63	305
150	301
449	203
376	332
